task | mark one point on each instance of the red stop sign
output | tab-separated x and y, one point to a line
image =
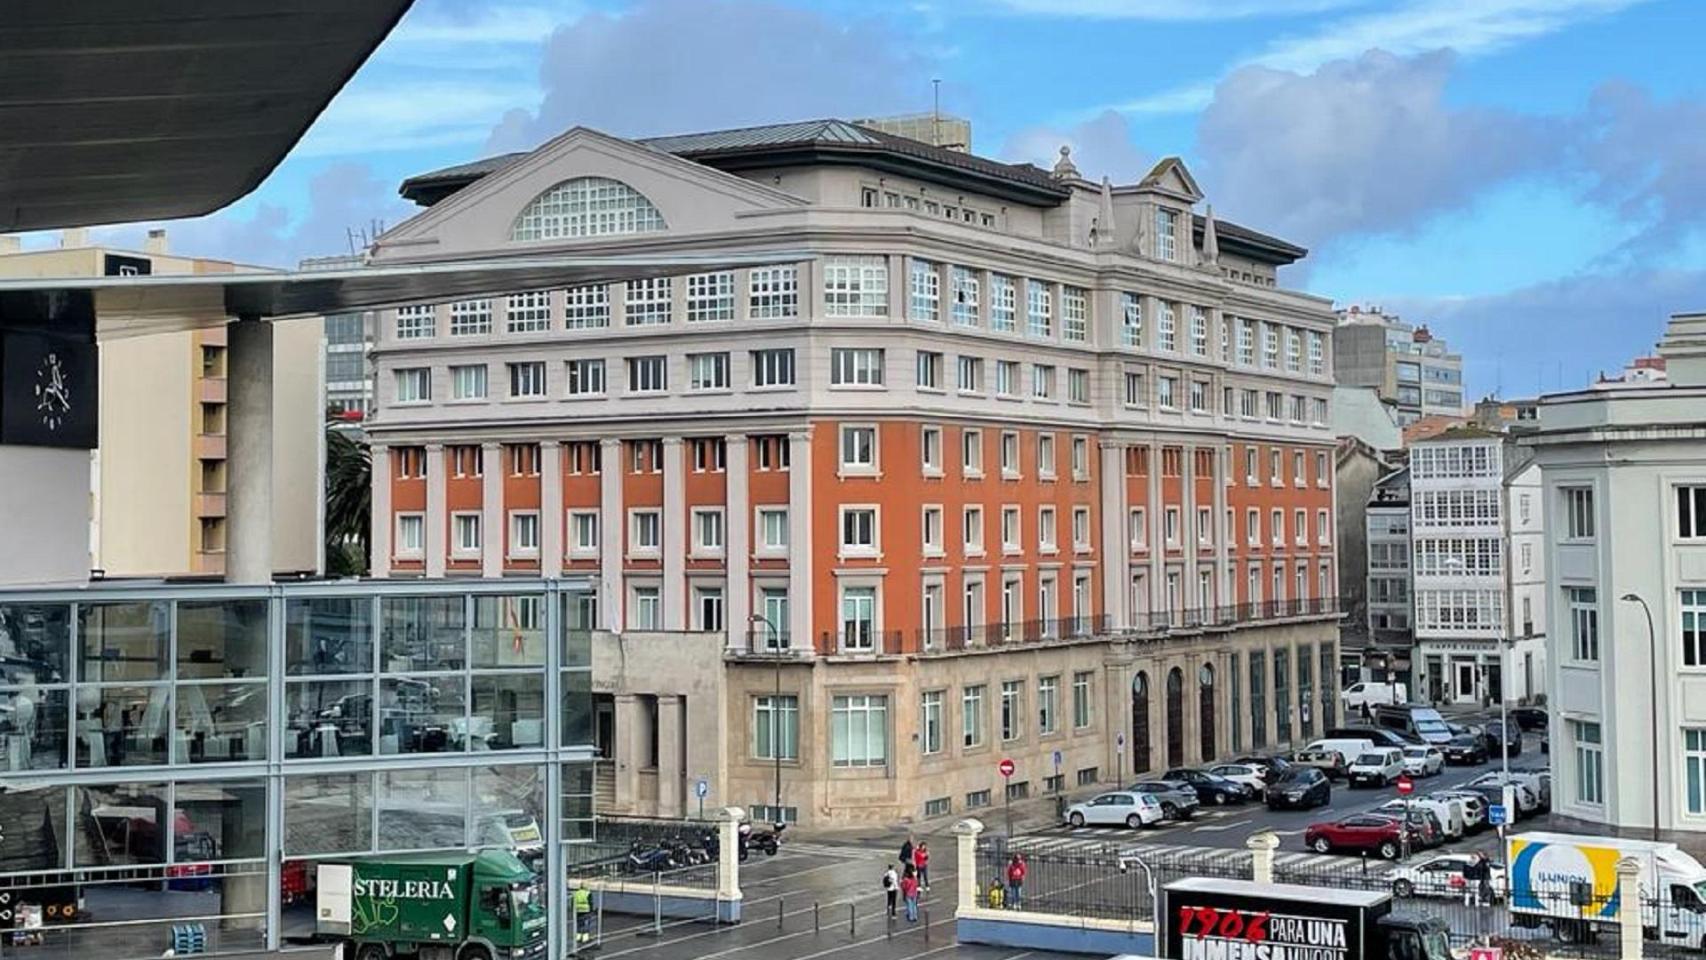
1006	767
1406	786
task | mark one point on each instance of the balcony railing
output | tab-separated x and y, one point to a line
762	640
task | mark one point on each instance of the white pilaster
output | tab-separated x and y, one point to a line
1116	546
674	541
737	550
800	540
551	514
380	521
670	745
1222	536
612	531
1157	515
1188	532
437	517
493	522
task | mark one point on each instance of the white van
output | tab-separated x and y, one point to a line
1347	749
1376	766
1366	694
1449	812
1569	882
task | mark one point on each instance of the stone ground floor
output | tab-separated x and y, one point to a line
827	741
1466	672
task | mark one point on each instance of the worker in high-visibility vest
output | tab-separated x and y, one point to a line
583	912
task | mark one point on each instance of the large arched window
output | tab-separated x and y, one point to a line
587	207
1175	718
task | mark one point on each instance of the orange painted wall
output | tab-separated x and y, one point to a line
521	492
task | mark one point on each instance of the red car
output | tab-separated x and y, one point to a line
1363	833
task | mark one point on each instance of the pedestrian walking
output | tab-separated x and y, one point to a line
1484	879
583	912
909	893
1015	881
906	853
921	860
891	889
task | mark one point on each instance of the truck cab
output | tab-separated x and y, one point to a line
445	906
1413	938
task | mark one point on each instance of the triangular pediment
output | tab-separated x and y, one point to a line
1169	176
480	218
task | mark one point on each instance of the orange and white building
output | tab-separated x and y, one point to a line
991	461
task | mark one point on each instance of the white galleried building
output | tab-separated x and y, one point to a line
1624	468
992	461
1475	529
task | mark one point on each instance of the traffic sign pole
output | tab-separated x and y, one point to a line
1006	768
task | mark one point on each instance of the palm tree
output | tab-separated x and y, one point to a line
349	498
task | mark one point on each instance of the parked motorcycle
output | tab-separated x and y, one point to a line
769	841
650	859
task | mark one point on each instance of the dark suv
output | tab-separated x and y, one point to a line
1210	788
1299	787
1381	736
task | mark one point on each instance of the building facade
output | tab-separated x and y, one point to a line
157	479
349	340
1624	482
1405	363
992	462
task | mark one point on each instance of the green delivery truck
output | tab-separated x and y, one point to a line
445	906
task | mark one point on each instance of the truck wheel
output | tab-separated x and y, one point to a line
1389	850
474	951
1402	888
370	951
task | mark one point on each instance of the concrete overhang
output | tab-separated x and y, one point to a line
113	111
131	306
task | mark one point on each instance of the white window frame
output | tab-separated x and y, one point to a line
853	368
930	450
1581	604
708	372
578	547
1003	303
1039	309
1048	529
518	523
971	521
846	550
773	368
1577	509
528	380
971	453
855	286
416	321
1137	528
636	524
419	379
773	293
648	302
404	550
963	286
932	540
924	290
846	641
849	444
461	390
586	307
636	366
1074	314
1081	529
711	297
471	318
763	517
585	377
528	312
709	520
461	523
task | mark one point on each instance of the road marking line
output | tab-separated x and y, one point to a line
1211	828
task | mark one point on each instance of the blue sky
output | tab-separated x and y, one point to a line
1529	176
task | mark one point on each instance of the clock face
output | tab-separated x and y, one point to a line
52	392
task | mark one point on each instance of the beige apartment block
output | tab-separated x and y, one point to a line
157	481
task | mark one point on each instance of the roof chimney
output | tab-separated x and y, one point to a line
156	242
72	238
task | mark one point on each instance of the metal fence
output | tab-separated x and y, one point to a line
674	852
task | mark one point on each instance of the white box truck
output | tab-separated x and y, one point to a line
1569	883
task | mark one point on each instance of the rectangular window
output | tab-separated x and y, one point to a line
1045	455
648	302
1081	528
856	366
1131	320
773	367
859	447
931	530
1003	303
858	530
708	609
468	382
1317	354
1134	389
1046	532
524	534
1077	386
1080	458
1009	454
859	731
972	524
645	534
776	728
1270	346
929	370
707	371
971	716
710	297
1074	314
414	385
1165	242
528	312
416	321
648	608
1012	707
1167	392
648	374
1039	309
1690	512
930	722
1694	763
583	533
1583	603
858	619
774	292
526	379
773	529
411	534
1081	703
1006	378
1138	528
1042	381
1166	335
856	286
1693	628
1048	705
1293	351
1199	397
930	450
1590	762
1010	534
470	318
970	374
466	527
925	302
708	530
586	308
971	453
1247	342
584	378
1578	513
964	292
1199	331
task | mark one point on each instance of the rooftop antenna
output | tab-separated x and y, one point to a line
936	112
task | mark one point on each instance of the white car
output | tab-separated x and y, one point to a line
1247	774
1423	761
1527	786
1449	813
1119	808
1377	767
1442	876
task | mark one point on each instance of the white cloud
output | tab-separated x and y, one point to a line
502	24
1172	10
371	118
1100	146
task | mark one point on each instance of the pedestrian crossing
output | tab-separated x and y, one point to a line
1109	841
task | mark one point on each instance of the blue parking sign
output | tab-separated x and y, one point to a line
1496	815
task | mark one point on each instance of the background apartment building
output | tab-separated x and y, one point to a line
157	480
1405	363
1624	473
349	340
990	461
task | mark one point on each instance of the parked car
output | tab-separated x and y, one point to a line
1474	807
1441	876
1361	833
1126	807
1299	787
1364	695
1448	816
1466	749
1531	718
1512	737
1527	803
1178	800
1251	776
1423	761
1529	787
1381	736
1273	764
1377	767
1328	761
1210	788
1416	721
1347	749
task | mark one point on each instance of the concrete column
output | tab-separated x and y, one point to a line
437	519
630	748
1629	908
1157	514
612	531
737	536
674	537
670	733
1188	528
1116	539
1262	846
728	852
493	520
380	520
248	452
967	831
1222	536
799	624
551	514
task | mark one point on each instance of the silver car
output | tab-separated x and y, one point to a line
1178	800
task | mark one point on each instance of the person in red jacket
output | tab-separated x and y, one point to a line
921	860
1015	881
909	893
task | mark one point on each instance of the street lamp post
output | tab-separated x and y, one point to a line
1653	693
775	704
1129	860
